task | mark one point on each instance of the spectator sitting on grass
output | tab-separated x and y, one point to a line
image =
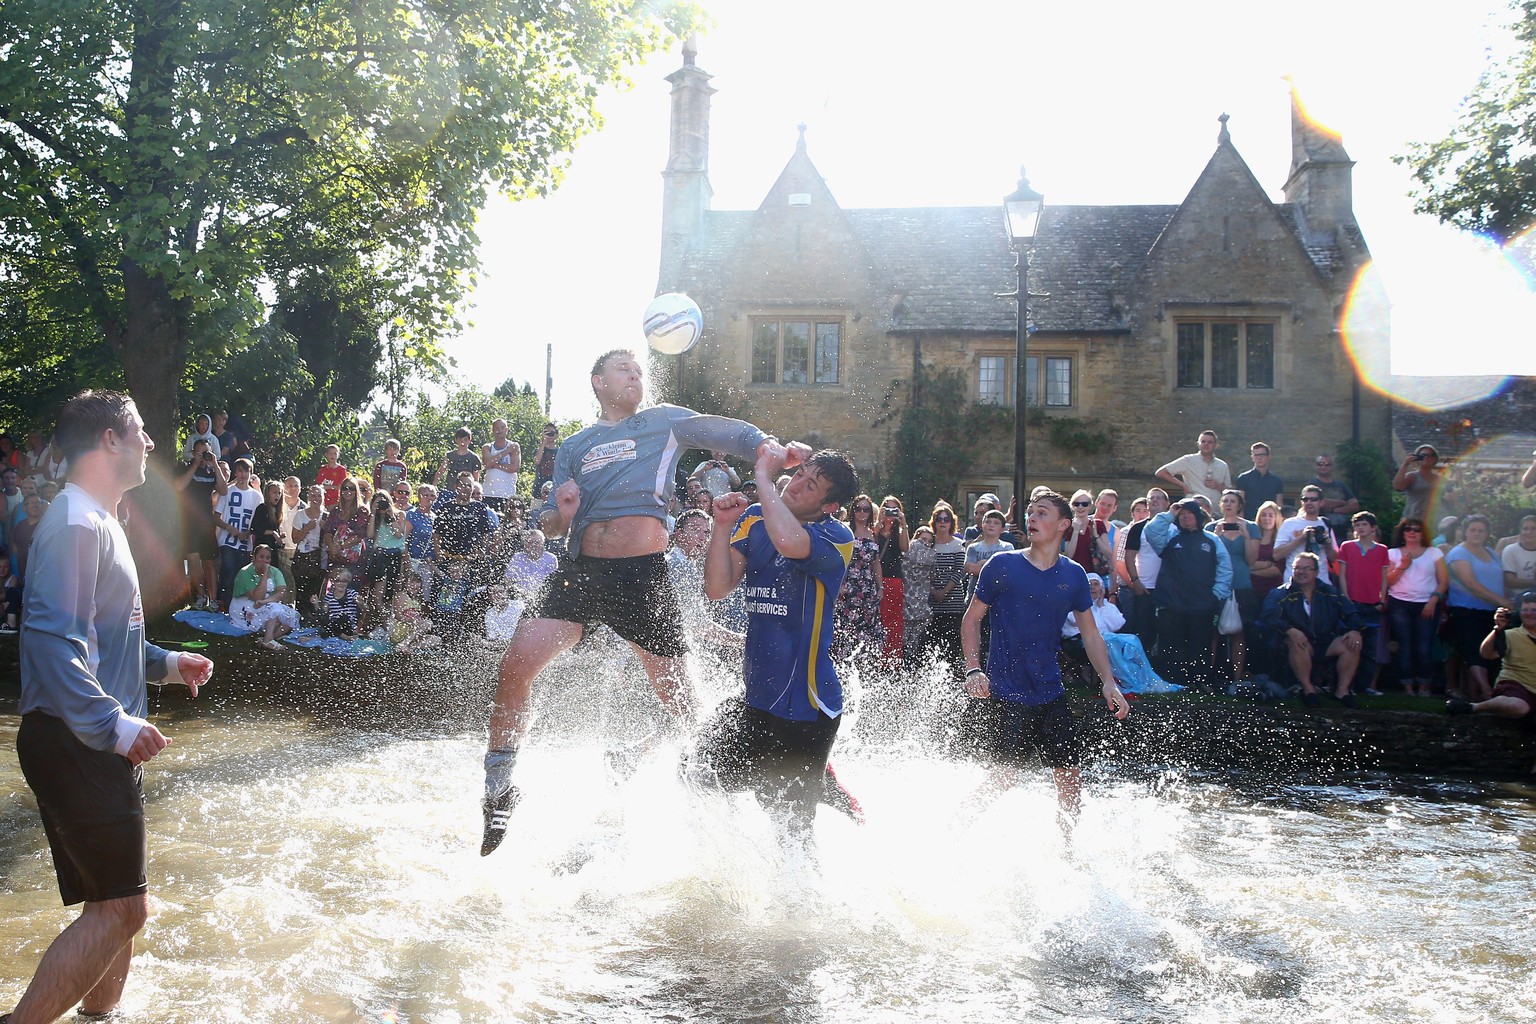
1514	692
1315	624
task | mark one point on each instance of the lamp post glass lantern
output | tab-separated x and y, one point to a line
1022	213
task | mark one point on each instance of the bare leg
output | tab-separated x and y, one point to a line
1239	656
109	990
195	575
210	579
1504	707
1301	664
669	681
84	961
537	643
1349	664
1069	797
1478	688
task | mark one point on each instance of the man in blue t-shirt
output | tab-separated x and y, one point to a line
790	555
1019	701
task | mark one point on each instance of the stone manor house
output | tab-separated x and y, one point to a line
1148	323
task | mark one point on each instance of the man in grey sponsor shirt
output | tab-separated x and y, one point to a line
84	735
612	483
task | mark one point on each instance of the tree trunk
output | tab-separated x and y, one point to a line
152	346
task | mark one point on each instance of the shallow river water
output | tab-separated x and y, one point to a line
314	857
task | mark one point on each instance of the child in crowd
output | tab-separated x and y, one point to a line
340	604
409	629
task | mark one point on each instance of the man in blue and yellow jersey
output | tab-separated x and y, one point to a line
790	554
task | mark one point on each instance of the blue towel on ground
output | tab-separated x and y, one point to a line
210	622
312	639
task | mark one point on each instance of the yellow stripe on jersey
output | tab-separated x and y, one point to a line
810	668
846	550
745	528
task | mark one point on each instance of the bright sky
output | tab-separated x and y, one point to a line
1113	102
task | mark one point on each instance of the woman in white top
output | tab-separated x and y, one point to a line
1416	584
1133	671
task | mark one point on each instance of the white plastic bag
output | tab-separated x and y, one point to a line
1231	620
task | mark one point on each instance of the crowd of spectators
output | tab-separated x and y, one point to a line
1217	585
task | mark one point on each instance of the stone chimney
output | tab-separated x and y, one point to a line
1320	184
686	192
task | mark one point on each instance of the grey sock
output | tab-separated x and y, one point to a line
498	771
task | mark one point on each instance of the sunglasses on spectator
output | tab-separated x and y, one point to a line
1309	497
1082	504
944	518
1413	529
348	487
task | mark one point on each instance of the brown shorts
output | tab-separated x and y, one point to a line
92	805
1510	688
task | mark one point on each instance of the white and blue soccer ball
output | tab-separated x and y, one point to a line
673	322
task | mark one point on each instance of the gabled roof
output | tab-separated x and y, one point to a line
945	268
1086	261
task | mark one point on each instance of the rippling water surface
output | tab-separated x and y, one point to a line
314	857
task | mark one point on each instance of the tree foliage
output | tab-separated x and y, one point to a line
1482	176
938	433
427	433
174	171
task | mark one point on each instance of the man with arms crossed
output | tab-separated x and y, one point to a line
1019	700
83	738
611	488
792	554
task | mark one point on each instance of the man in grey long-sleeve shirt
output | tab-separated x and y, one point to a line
83	735
612	484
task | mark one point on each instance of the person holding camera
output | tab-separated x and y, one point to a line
716	475
1513	642
1307	531
200	538
1419	477
388	531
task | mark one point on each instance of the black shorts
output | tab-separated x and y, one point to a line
632	596
199	536
742	747
1008	731
92	805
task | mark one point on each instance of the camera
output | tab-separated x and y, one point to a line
889	513
1320	532
1232	527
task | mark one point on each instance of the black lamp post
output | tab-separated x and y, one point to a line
1022	210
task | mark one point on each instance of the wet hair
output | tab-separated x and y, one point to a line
688	516
836	468
85	416
602	361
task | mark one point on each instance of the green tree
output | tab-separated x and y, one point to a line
427	433
1482	176
167	165
925	462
